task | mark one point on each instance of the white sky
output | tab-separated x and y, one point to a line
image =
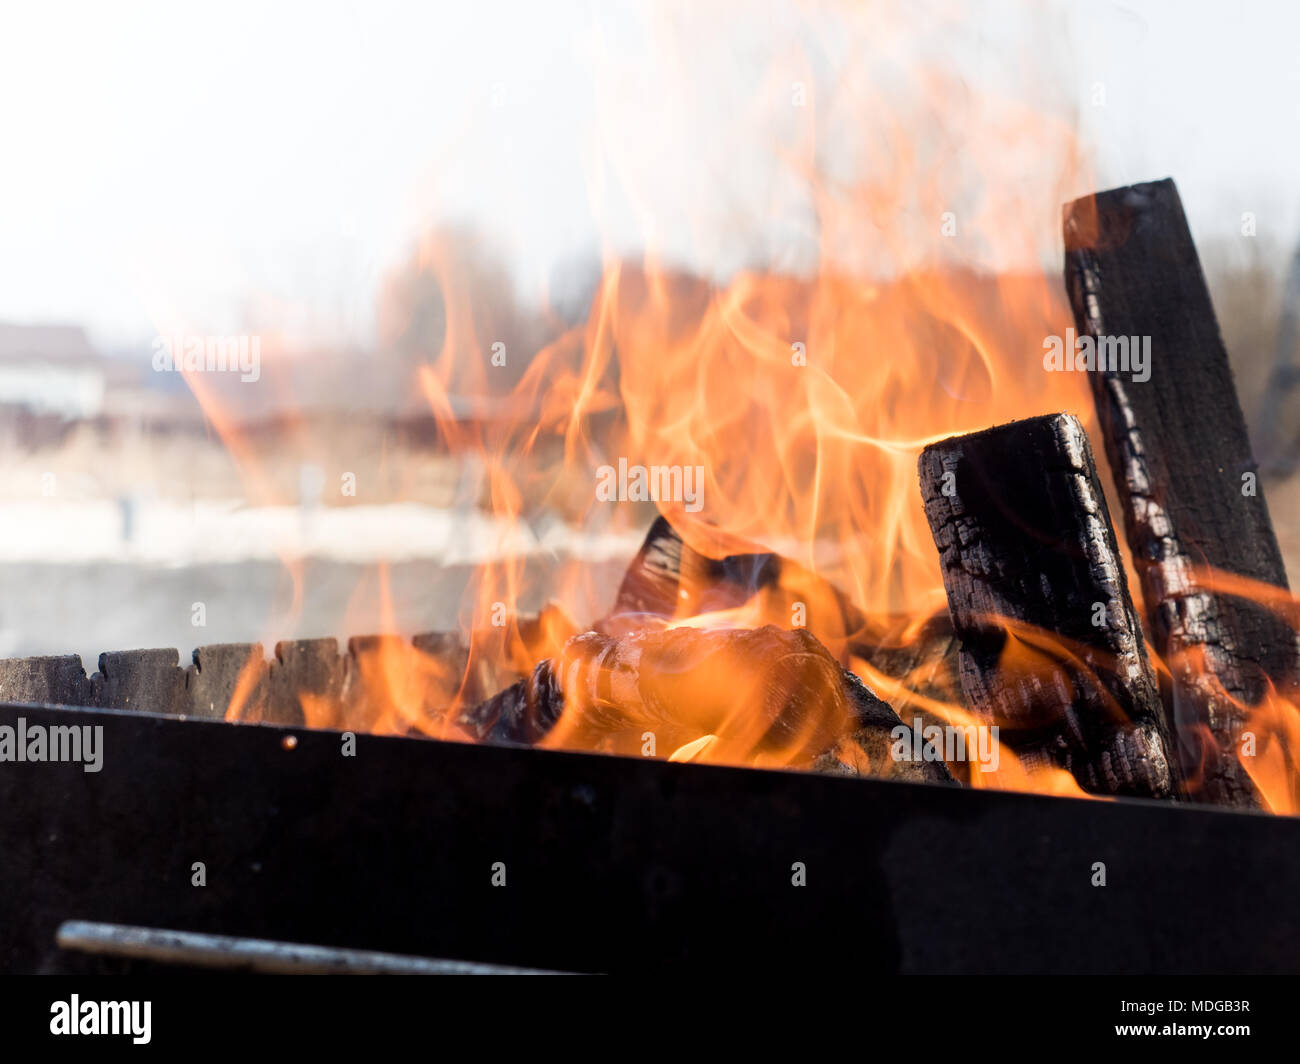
165	164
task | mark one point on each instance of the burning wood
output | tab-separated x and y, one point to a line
226	676
714	650
306	682
669	580
1195	515
1051	648
760	696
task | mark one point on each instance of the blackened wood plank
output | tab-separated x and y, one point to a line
228	679
57	680
147	681
392	684
306	677
1186	477
450	653
475	677
501	654
1027	552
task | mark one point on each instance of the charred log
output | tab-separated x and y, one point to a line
1184	470
668	579
522	714
1051	647
764	695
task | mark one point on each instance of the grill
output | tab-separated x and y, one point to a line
614	864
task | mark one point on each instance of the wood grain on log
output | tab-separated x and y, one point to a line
1186	478
1030	560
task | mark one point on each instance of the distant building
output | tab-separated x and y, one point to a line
51	369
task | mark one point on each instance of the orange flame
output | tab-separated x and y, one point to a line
802	397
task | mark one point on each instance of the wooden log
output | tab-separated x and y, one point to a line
1030	562
147	681
1186	478
227	679
57	680
765	695
522	714
669	579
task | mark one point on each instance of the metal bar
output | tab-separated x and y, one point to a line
257	954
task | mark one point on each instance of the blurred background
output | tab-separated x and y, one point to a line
369	189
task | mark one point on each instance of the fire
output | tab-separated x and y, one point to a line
1274	763
690	751
804	397
808	443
